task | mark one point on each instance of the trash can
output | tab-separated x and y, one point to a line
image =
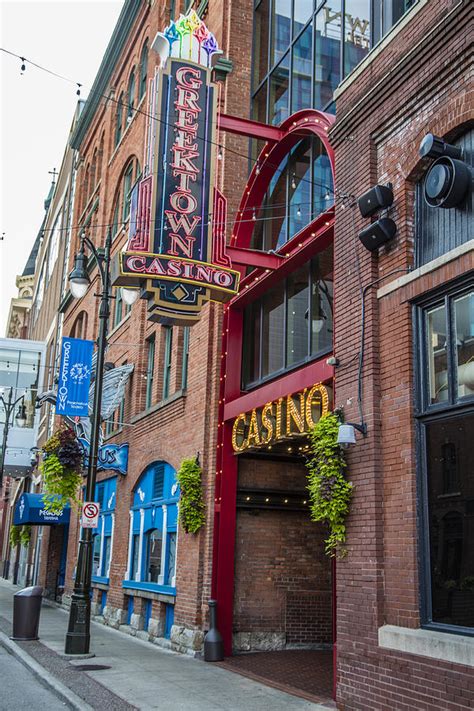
26	613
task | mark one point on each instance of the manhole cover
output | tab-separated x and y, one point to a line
91	667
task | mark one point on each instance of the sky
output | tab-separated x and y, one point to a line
36	111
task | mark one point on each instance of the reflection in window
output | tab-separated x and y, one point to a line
281	29
449	456
437	354
356	32
19	371
154	543
464	330
171	565
291	324
302	70
96	554
280	92
260	47
135	557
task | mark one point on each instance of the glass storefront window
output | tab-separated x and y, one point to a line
356	32
327	68
281	29
291	324
321	303
302	70
449	452
260	45
154	541
279	100
19	370
437	355
300	187
303	10
273	324
464	334
297	346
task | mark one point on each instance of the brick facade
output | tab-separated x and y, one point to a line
420	82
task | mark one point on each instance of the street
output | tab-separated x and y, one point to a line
22	690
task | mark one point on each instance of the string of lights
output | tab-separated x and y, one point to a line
152	117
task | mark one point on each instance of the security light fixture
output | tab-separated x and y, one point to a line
346	433
434	147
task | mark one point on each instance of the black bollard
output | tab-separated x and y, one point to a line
213	642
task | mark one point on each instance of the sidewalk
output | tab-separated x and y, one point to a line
135	674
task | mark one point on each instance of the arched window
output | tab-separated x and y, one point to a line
118	120
131	96
143	71
100	157
153	530
79	329
93	173
85	193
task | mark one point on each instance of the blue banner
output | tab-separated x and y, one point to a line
110	456
30	511
74	377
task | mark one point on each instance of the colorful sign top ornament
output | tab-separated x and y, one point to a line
176	252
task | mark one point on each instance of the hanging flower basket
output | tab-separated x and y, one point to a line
61	469
329	490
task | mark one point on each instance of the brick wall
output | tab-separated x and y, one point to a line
415	85
282	577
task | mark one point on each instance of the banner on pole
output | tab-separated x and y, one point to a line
74	377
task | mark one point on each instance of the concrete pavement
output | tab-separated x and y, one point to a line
142	676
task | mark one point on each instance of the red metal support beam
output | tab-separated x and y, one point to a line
254	258
252	129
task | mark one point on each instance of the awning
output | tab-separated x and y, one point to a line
30	510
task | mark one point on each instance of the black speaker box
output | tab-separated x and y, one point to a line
376	234
378	197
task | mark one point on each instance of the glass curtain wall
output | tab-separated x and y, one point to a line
304	48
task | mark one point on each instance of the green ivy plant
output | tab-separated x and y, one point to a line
330	492
25	535
15	536
61	469
191	507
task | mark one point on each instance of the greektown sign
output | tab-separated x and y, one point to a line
281	419
176	252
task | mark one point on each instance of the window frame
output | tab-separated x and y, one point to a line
167	360
143	71
118	121
150	373
426	414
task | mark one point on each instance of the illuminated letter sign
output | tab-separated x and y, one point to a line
176	251
280	420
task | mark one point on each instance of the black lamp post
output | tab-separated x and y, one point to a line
78	634
20	417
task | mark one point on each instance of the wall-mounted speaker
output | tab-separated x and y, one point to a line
378	233
378	197
447	183
434	147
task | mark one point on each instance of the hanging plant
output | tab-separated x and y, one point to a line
15	536
329	490
25	536
191	507
62	470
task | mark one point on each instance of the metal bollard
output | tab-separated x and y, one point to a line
213	642
26	613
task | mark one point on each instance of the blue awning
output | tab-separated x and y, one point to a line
30	510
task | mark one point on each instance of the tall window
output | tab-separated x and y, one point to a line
119	120
291	324
302	49
54	244
152	542
127	191
167	361
118	311
143	71
185	360
300	189
150	371
131	95
445	376
105	496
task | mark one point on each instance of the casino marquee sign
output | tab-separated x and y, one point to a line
176	251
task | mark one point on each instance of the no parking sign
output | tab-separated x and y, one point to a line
90	515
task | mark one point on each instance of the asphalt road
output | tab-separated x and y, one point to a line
20	689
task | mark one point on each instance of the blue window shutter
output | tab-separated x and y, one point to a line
158	481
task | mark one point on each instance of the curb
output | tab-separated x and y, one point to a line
62	691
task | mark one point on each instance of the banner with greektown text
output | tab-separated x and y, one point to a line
74	377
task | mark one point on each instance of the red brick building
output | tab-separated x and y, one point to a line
243	386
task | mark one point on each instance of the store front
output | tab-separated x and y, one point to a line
271	578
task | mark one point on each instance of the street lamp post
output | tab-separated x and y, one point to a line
78	634
20	418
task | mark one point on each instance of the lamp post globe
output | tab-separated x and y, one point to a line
130	295
79	278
